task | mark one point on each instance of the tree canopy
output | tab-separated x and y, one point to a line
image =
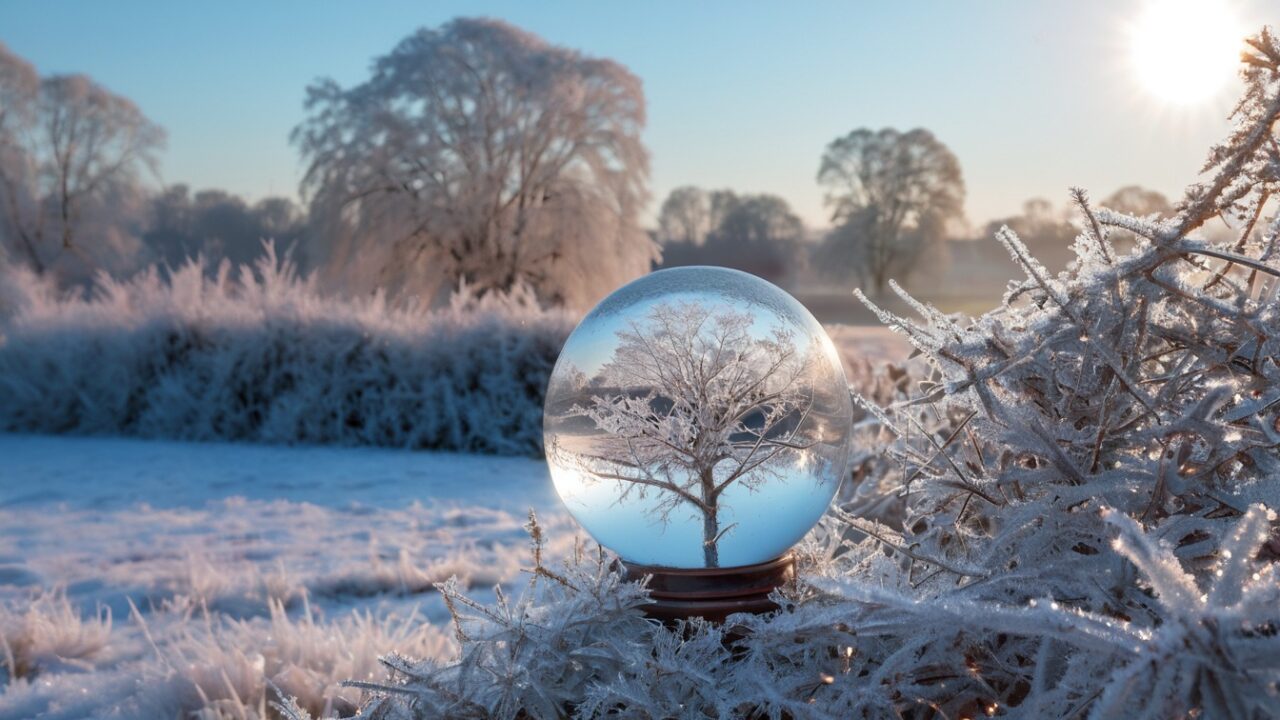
758	234
478	153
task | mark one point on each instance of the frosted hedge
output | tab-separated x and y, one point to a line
258	353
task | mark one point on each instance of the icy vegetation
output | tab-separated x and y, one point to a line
1064	508
146	579
260	354
1072	514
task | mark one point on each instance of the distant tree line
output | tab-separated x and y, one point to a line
892	195
220	226
758	234
896	201
1049	232
476	154
75	160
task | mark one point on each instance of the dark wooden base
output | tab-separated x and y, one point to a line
712	593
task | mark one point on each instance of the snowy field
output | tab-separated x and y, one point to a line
204	539
144	578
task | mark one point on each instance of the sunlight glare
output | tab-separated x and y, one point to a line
1184	51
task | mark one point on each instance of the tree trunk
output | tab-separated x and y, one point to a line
36	263
880	278
710	528
710	522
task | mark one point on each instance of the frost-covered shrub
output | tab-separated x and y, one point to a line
216	667
260	354
1075	518
49	634
297	595
539	654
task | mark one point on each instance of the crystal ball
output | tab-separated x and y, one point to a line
698	417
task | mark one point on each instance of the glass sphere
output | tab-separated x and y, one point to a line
698	417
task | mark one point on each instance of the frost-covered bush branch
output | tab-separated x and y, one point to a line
1146	383
574	644
258	353
1140	388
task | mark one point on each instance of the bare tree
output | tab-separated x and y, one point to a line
892	194
720	407
685	216
480	153
69	148
19	88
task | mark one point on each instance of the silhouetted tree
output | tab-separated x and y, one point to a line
480	153
758	234
891	196
219	226
685	216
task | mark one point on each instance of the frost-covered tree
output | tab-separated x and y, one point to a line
892	195
696	404
72	158
478	153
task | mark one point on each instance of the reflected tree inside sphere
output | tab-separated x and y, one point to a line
712	411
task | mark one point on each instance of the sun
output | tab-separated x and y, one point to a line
1184	51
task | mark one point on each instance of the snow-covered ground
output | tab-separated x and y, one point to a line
143	579
208	536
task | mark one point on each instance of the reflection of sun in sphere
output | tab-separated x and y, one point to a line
698	417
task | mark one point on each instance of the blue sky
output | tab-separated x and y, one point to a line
1032	97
